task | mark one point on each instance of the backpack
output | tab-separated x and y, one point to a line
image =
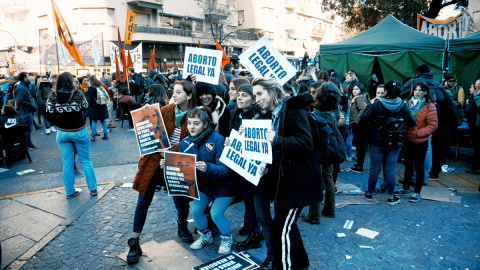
391	130
102	96
458	112
328	144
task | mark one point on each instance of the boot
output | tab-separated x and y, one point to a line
254	240
244	229
105	136
92	138
184	233
135	251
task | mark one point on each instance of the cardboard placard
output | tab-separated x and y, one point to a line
233	158
227	261
255	145
181	175
263	60
150	129
204	63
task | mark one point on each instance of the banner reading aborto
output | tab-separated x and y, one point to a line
256	146
150	129
459	26
204	63
233	158
263	60
181	175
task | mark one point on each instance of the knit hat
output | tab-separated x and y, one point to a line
423	68
450	76
205	88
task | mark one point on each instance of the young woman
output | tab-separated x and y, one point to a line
233	92
416	143
156	93
381	154
206	95
64	110
148	175
98	112
212	178
292	179
358	103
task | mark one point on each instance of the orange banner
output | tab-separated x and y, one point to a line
65	36
225	59
129	60
130	26
119	76
123	59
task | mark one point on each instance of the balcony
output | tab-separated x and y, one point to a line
318	33
13	7
154	2
162	31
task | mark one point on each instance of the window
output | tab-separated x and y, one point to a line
102	16
199	26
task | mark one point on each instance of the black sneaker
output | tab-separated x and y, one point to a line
401	192
184	233
415	198
356	168
307	218
267	264
77	192
368	197
93	193
394	200
135	252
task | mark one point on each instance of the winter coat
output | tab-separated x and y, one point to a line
214	182
43	92
472	112
293	180
373	117
357	107
66	116
458	93
96	112
221	116
427	123
437	91
25	102
221	91
148	164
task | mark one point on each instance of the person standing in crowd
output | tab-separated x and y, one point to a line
25	106
83	84
33	91
129	102
350	76
64	110
136	84
380	92
43	93
221	115
382	154
98	111
221	88
456	91
156	94
233	92
416	143
358	103
292	180
472	111
149	174
305	60
227	70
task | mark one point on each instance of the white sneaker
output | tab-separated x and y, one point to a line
226	244
205	239
47	131
52	129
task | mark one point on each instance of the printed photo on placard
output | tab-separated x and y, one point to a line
181	175
255	145
150	129
204	63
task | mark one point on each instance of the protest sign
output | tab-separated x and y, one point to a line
150	129
232	157
263	60
204	63
228	261
459	26
180	174
135	53
256	146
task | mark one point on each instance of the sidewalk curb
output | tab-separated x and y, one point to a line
20	261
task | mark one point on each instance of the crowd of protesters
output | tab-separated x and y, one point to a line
199	117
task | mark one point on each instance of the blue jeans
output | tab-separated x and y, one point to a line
94	127
217	212
386	158
68	142
349	141
27	119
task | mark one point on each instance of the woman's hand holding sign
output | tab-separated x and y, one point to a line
270	135
162	163
201	166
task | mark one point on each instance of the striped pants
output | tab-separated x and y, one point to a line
287	241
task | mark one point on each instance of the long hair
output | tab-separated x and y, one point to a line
158	94
95	82
323	76
272	87
363	90
189	88
424	86
237	82
65	82
392	89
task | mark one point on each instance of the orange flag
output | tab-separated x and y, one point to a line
123	60
117	67
129	60
150	62
65	36
199	45
225	59
130	26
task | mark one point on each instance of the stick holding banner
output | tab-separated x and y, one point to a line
181	174
204	63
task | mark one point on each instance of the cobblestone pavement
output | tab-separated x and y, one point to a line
426	235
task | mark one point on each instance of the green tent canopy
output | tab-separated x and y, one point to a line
471	42
465	60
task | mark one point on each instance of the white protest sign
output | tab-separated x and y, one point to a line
135	53
263	60
256	146
204	63
233	158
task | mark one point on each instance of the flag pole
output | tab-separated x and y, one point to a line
56	40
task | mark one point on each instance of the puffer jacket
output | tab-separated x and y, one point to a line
427	123
214	182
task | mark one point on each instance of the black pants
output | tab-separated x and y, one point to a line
359	141
289	251
247	195
439	151
414	155
476	148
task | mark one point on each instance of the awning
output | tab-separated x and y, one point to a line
150	5
183	16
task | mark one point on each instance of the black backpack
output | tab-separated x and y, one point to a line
329	146
458	112
391	129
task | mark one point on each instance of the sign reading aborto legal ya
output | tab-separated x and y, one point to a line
263	60
204	63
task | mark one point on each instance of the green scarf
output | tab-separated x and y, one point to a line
205	133
179	116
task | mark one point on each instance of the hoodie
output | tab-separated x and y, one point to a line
66	115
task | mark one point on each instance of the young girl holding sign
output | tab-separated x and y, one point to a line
212	180
148	174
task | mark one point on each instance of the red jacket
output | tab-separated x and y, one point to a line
148	164
427	123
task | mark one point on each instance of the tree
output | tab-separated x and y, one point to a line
219	18
364	14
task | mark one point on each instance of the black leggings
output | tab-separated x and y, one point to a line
414	155
359	141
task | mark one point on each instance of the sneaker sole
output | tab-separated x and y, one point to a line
413	201
132	260
393	203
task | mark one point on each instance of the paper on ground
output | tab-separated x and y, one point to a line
360	246
367	233
25	172
127	185
348	257
348	224
341	235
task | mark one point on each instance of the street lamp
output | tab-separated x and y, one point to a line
180	48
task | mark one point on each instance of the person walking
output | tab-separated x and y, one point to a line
64	109
472	111
98	98
25	106
44	89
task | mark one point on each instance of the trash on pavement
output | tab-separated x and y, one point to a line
40	172
367	233
348	257
352	191
341	235
127	185
348	224
360	246
25	172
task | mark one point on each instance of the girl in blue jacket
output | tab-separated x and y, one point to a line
212	178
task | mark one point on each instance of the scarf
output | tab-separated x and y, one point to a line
416	104
276	116
205	133
179	115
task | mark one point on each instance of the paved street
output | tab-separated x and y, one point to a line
45	231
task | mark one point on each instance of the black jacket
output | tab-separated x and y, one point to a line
24	99
293	180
